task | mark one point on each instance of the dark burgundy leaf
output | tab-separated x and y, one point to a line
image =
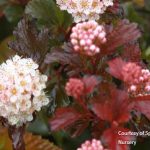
120	35
141	104
143	107
116	9
141	98
64	55
132	52
59	55
97	128
78	127
64	117
139	122
29	42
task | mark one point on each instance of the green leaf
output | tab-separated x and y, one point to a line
13	13
40	124
147	4
146	54
47	13
2	2
5	52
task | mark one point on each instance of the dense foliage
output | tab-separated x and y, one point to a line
98	78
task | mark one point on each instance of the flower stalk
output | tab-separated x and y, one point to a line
16	135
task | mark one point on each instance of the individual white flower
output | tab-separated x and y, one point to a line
108	3
13	120
21	90
83	10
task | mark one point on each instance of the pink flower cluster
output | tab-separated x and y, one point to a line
145	78
91	145
143	85
87	37
131	72
137	78
74	87
80	87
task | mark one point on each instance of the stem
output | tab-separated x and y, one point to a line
16	135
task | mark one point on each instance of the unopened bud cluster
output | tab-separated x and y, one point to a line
137	78
92	145
87	37
131	72
74	87
143	85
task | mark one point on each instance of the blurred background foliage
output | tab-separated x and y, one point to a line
11	11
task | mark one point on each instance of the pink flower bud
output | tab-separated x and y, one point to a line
92	47
97	50
147	88
103	40
74	42
102	35
133	88
82	42
88	42
76	48
74	35
92	36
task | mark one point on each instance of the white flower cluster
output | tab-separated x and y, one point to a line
21	90
83	10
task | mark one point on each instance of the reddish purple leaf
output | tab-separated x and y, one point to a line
113	138
90	83
111	110
29	42
115	67
143	107
141	98
64	117
132	52
103	111
120	35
